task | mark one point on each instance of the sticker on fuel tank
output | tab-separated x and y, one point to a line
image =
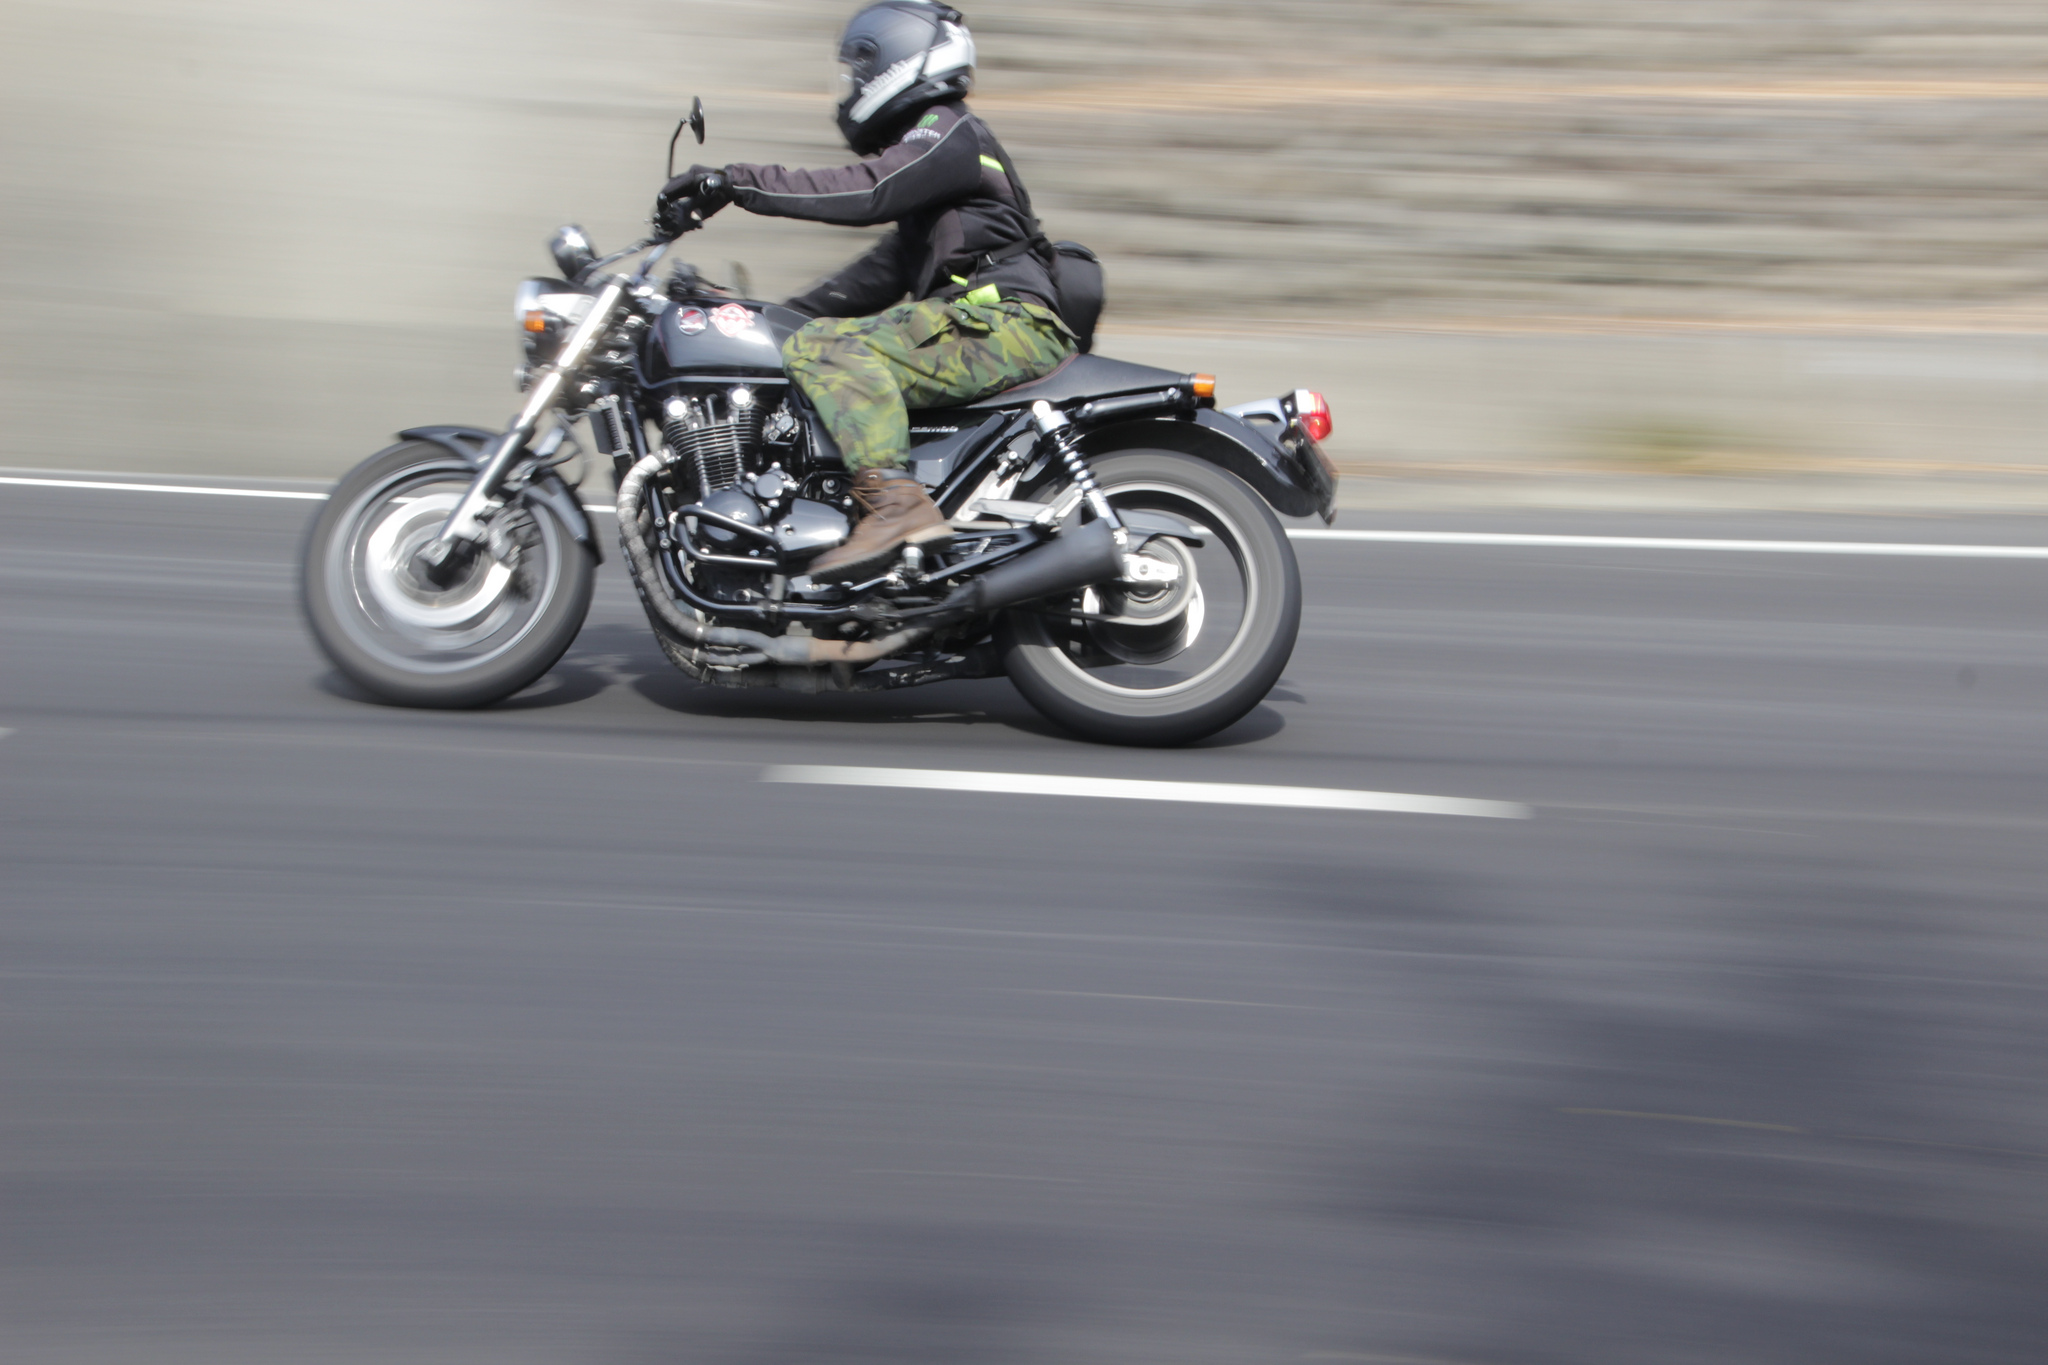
732	320
690	321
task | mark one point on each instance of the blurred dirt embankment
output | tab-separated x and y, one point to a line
1754	249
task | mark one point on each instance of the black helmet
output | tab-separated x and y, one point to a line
894	59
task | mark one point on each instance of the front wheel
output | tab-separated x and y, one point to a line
504	622
1190	643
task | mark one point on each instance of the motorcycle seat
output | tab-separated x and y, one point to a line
938	435
1082	376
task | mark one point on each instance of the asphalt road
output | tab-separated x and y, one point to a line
551	1033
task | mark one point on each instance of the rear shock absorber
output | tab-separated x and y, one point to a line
1053	425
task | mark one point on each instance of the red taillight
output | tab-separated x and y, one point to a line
1312	410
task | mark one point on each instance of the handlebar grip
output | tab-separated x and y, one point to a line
686	201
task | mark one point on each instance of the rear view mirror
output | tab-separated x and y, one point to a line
572	251
695	123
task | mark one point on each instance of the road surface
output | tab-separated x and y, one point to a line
554	1033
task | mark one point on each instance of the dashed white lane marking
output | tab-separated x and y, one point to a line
164	488
1776	547
1771	547
977	1175
1170	999
1131	789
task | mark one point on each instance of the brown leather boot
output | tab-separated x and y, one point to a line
896	511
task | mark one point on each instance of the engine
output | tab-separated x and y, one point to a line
714	434
745	447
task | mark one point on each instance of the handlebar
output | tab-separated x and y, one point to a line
589	274
647	266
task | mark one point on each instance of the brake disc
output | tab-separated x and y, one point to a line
1149	622
407	601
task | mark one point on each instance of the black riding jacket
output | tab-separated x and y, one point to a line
948	186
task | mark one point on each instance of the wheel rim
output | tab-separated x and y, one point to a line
1163	650
391	613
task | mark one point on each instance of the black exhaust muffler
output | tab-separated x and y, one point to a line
1080	555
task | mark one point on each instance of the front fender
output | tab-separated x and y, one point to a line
548	490
1296	483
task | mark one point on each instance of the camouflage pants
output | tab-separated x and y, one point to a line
863	375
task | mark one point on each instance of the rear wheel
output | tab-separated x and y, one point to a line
496	629
1190	643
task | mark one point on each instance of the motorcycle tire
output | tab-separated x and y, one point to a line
1166	679
492	633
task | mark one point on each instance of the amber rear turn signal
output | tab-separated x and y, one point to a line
1204	385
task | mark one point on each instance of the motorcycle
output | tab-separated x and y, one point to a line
1114	548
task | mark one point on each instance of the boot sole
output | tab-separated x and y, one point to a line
868	565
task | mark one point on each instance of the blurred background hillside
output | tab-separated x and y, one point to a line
1534	249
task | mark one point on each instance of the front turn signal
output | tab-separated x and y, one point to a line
536	321
1312	410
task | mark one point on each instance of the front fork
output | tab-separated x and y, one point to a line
463	534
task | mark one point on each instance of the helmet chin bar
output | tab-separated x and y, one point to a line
886	87
917	53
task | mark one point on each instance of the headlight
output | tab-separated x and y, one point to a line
545	310
546	306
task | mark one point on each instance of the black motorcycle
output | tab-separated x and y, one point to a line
1114	549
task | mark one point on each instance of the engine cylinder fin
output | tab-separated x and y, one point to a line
717	450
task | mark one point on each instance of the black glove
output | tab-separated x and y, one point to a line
700	182
686	201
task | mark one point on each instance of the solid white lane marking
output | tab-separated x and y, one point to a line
194	488
1772	547
164	488
1502	538
1131	789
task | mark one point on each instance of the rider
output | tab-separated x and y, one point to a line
981	317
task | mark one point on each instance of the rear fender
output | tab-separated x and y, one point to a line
1294	483
548	490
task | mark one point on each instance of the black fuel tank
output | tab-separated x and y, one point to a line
734	337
